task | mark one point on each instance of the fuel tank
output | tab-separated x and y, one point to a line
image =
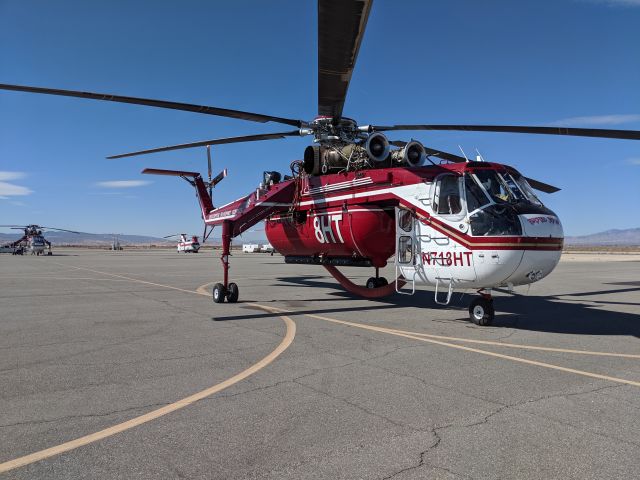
358	231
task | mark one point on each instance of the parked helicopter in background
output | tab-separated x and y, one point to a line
186	245
353	201
33	240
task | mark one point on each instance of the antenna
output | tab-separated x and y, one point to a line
480	158
465	155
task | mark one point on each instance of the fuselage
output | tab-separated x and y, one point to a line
476	224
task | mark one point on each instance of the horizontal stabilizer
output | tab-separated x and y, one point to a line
173	173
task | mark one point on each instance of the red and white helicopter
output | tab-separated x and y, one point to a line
353	200
186	245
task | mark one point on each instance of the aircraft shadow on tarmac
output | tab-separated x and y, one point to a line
554	313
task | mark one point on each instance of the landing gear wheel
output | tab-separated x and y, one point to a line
481	311
219	293
49	253
232	293
377	282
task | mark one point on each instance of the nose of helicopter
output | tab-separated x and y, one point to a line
545	225
545	236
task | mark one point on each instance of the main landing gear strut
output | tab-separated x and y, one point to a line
227	290
481	310
377	281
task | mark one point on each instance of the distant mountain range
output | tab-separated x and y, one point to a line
91	239
629	236
106	239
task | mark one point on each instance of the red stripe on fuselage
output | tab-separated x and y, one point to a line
466	240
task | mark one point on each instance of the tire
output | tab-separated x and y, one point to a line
233	292
219	293
481	311
372	283
382	282
49	253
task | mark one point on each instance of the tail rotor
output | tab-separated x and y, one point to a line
212	182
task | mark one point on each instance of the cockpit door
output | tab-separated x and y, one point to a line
444	257
405	238
406	249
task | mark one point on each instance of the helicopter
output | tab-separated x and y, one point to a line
357	198
186	245
33	240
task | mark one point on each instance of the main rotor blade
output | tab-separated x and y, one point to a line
59	229
341	25
576	132
188	107
216	141
543	187
444	155
538	185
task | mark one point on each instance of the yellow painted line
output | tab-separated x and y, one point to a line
483	352
399	333
525	347
147	417
269	358
203	289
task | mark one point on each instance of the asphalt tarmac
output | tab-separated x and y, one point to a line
118	365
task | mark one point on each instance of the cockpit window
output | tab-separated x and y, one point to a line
526	189
476	198
514	189
446	200
497	217
405	220
494	185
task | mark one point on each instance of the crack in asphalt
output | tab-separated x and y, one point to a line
83	352
166	359
361	408
87	415
485	419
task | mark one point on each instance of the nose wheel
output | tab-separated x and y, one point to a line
377	281
481	311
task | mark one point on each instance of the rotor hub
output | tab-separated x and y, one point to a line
335	130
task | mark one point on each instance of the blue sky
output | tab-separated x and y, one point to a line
568	62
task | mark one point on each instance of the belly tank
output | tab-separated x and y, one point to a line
358	232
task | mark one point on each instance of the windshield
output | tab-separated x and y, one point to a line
526	189
496	217
495	186
476	198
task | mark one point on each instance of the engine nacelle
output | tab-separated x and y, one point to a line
319	160
412	154
323	159
377	147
